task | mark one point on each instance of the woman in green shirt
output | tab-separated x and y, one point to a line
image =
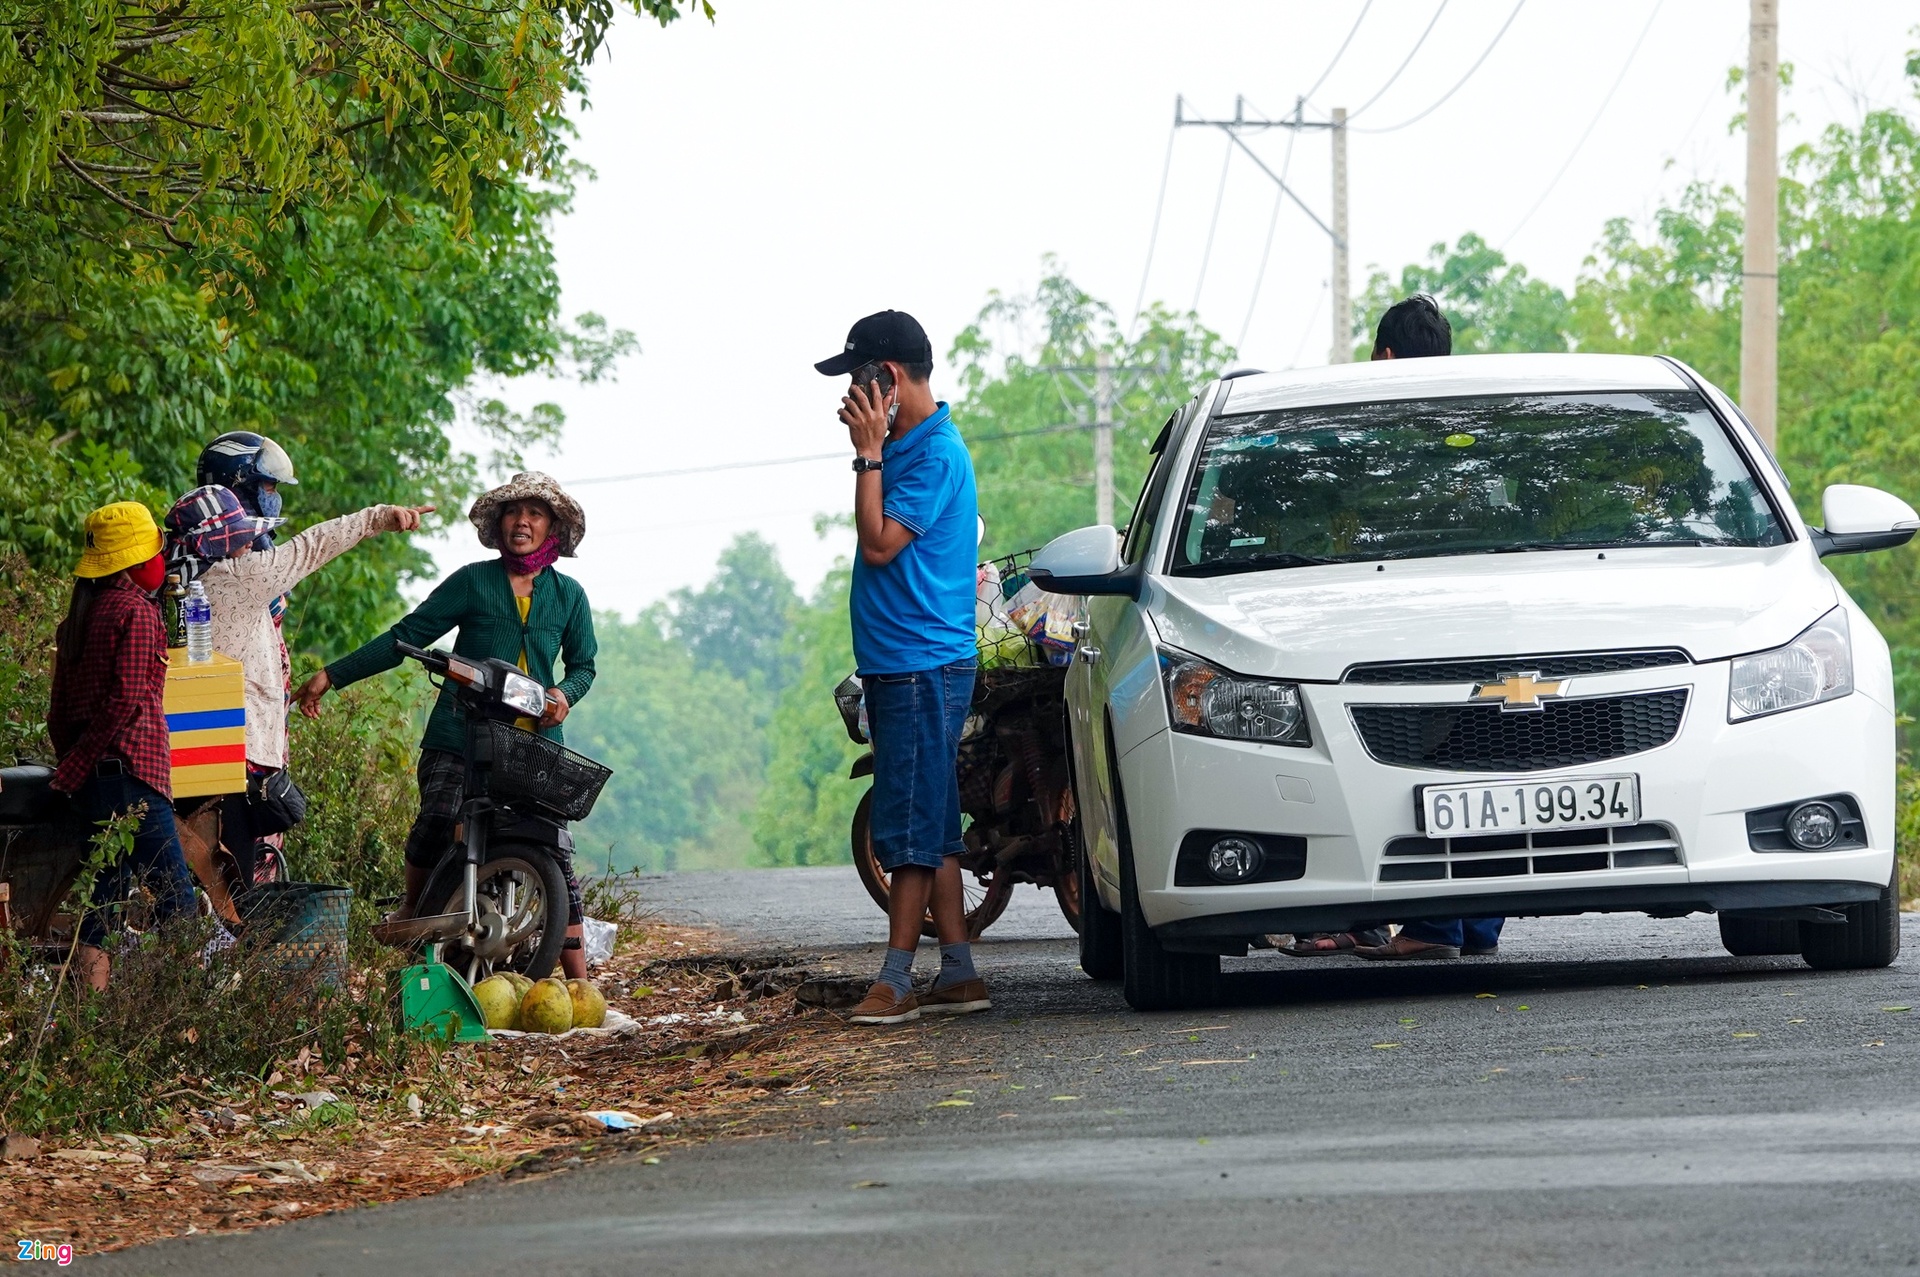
515	607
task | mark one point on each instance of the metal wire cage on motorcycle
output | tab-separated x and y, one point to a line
527	769
1001	643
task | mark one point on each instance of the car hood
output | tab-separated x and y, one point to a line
1314	622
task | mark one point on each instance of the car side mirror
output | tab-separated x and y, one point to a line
1085	561
1860	518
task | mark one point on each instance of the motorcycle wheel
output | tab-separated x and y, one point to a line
523	904
985	901
1066	869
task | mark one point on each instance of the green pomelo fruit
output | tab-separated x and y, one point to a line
589	1005
499	1002
547	1008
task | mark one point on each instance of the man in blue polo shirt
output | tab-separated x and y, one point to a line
912	607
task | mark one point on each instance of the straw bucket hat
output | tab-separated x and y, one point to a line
569	521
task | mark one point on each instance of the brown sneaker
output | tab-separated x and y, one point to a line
963	998
883	1006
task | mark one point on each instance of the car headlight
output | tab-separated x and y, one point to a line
1817	666
1208	701
525	694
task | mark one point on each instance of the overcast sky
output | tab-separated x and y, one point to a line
767	179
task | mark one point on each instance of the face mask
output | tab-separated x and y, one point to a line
150	575
268	502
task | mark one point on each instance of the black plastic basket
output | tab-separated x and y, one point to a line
527	769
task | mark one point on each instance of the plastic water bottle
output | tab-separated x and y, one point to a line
197	615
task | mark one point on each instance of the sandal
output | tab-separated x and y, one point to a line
1323	944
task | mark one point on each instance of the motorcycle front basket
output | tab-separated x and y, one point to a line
528	770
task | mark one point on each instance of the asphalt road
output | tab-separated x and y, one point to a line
1628	1099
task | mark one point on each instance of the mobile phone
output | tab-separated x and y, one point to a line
874	374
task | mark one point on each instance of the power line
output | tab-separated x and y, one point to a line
812	456
1591	124
1341	50
1159	202
1403	66
1219	198
1273	223
1392	128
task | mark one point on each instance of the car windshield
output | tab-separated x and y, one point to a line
1418	478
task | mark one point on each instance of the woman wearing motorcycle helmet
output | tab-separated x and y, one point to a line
210	525
253	468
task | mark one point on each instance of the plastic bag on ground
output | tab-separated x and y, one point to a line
597	939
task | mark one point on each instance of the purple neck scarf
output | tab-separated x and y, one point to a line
530	564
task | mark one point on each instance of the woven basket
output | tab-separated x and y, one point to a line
301	926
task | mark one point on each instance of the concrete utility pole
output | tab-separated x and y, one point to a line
1342	301
1109	383
1103	438
1760	279
1342	297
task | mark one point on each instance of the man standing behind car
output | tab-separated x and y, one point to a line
1414	329
912	607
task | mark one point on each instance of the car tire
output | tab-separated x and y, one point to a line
1100	955
1870	937
1758	937
1152	978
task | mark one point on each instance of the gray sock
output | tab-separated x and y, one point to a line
897	971
956	965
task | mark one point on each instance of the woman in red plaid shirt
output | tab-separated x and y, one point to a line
108	722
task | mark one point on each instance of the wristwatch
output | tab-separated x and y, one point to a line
863	464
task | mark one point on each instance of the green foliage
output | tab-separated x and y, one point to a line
197	126
171	1027
685	741
356	764
315	220
1677	295
31	605
807	805
738	621
1493	304
1035	486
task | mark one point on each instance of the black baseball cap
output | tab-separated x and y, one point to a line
891	334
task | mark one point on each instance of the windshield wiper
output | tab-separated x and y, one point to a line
1253	563
1519	547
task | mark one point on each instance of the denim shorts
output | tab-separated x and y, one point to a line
915	721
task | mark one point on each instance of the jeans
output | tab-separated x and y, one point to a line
915	720
1470	933
156	858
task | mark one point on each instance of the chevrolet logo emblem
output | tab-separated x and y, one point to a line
1522	691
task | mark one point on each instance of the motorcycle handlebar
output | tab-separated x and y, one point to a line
433	660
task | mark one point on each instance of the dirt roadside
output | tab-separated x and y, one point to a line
724	1049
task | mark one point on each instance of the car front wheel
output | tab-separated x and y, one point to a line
1100	955
1155	979
1870	937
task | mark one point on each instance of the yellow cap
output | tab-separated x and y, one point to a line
119	536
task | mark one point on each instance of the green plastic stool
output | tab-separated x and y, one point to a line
435	999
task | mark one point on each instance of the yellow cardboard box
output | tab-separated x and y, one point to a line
206	709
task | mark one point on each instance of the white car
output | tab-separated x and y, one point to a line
1475	636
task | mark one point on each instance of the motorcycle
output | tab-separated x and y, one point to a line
1016	799
44	840
497	900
